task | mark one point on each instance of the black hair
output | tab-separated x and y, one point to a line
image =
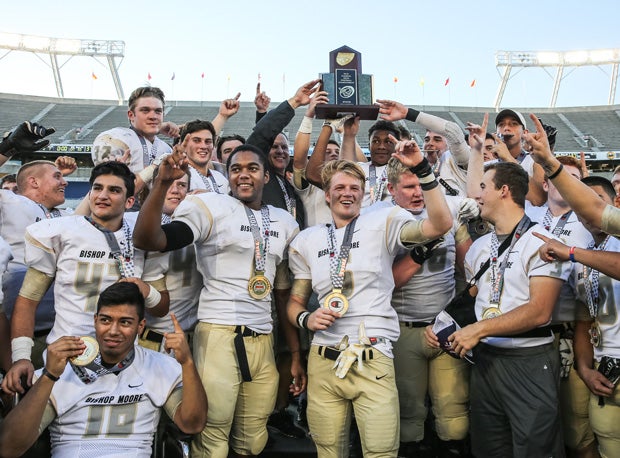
117	169
594	180
227	138
122	293
384	125
247	147
512	175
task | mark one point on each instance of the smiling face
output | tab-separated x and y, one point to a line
200	148
407	193
247	177
344	197
175	195
381	147
147	116
116	328
279	155
108	199
51	186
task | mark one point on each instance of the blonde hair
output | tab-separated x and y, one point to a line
395	170
341	165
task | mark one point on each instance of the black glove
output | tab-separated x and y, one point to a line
421	253
24	139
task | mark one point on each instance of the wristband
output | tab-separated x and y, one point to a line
147	173
417	254
422	170
556	173
21	348
153	298
571	254
306	126
412	114
302	319
49	375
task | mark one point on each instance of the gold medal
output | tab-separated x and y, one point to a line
90	352
336	302
491	312
259	287
596	336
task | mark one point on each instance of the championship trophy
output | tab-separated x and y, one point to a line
348	89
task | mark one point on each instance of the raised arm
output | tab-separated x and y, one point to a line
148	233
395	111
25	138
268	128
439	220
228	108
475	169
580	197
302	139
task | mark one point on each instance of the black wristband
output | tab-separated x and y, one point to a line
556	173
412	114
417	254
423	169
50	376
428	186
302	319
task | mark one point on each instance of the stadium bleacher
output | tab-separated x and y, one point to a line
594	130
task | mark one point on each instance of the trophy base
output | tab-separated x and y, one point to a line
365	112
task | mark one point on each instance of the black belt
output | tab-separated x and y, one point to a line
152	336
332	353
42	332
242	357
415	324
545	331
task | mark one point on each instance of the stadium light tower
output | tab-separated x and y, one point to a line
559	59
55	47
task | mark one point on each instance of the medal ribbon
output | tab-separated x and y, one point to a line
590	280
147	156
376	188
124	258
291	205
208	181
338	261
95	369
165	219
261	245
497	272
557	230
53	213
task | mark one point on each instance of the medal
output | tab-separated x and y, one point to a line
491	312
259	287
90	352
596	336
336	302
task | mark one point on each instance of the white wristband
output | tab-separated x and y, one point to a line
305	126
21	348
147	173
153	298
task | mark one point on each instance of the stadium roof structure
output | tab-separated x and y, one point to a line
507	60
111	50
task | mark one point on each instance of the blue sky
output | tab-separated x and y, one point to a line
233	41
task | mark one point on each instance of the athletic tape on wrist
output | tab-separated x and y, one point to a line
306	126
153	298
21	348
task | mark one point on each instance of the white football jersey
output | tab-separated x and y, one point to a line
523	264
184	283
5	257
197	181
16	214
225	257
77	254
572	234
432	287
380	184
451	173
608	306
116	415
368	281
114	142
